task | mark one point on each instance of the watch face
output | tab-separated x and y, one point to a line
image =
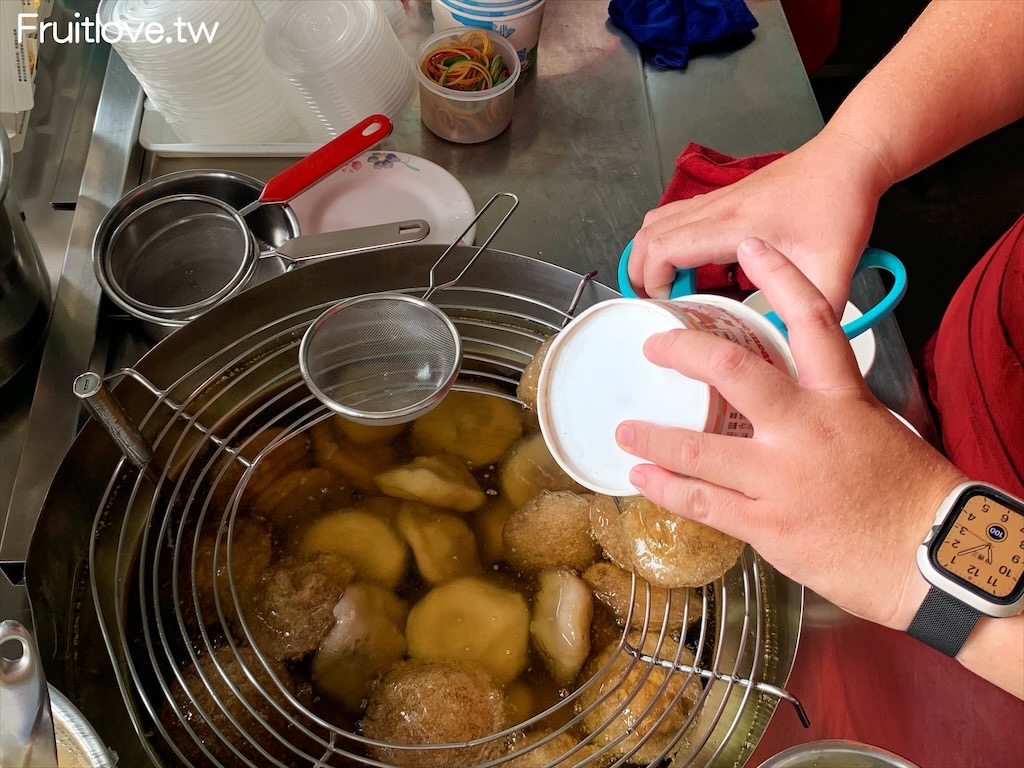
982	545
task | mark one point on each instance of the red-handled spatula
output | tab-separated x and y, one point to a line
295	179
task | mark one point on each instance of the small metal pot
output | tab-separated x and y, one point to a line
836	753
24	285
272	225
40	725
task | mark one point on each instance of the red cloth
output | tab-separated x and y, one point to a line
699	170
973	366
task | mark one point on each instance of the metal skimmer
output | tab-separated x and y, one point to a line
386	358
201	694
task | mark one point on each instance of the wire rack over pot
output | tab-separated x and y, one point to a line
202	695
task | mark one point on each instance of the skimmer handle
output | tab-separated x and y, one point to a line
434	287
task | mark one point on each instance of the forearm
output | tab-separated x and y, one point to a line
957	75
995	651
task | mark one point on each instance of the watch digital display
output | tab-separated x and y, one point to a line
982	546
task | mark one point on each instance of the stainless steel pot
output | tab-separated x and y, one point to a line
100	617
40	726
24	285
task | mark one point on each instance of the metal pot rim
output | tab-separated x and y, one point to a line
184	313
88	744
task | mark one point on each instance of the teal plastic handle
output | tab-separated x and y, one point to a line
872	258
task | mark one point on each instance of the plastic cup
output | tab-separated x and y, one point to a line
342	58
467	117
519	23
210	92
600	353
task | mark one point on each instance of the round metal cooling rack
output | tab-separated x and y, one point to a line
199	690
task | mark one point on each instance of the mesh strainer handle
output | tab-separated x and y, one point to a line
434	287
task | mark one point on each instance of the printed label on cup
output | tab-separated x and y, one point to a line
723	418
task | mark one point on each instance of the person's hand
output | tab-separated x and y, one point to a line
816	204
832	489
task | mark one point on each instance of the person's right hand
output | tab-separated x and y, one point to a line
816	204
832	490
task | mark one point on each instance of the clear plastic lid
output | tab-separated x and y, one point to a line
313	35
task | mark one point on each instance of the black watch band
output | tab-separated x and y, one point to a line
943	622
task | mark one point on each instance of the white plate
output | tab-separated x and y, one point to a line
381	186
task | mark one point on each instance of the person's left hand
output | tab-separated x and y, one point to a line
832	489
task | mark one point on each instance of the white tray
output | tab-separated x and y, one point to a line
157	137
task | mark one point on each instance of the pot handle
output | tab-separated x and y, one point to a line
299	177
872	258
26	732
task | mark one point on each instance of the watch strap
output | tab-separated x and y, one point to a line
943	622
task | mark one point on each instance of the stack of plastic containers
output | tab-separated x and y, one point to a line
343	58
213	84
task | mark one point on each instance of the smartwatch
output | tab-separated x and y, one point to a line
973	558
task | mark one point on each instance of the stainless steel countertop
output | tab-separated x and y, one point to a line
592	145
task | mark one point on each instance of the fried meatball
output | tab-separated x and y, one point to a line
664	549
619	682
291	609
551	530
552	754
529	468
606	527
527	389
300	495
240	669
613	585
435	702
251	553
670	551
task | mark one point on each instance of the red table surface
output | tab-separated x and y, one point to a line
863	682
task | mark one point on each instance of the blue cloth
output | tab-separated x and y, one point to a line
671	31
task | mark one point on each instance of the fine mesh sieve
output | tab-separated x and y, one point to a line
180	255
386	358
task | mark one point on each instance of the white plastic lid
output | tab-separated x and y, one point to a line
595	376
